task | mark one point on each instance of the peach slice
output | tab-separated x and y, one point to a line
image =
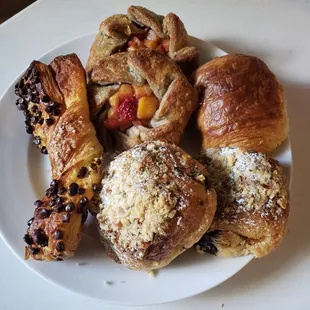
150	44
142	91
165	43
114	100
112	113
151	35
147	107
125	91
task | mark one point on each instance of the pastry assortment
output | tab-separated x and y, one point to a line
153	201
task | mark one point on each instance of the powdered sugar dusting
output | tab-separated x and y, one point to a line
246	182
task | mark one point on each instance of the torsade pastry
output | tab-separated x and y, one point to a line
54	101
242	104
140	29
154	205
253	203
146	97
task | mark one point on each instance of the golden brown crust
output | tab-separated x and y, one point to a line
178	98
74	152
154	205
253	203
242	104
115	31
146	18
115	69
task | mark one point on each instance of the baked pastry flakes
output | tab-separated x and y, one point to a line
54	101
140	29
145	97
252	203
154	205
242	104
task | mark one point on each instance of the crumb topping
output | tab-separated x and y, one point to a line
246	182
142	190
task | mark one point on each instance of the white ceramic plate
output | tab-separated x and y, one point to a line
25	175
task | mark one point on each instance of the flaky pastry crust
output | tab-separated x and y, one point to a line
253	203
54	101
154	205
242	104
178	99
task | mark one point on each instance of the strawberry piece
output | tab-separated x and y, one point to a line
127	110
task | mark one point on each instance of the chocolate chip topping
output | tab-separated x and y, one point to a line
66	218
30	221
61	190
38	203
28	239
49	121
58	234
81	191
70	207
44	213
54	183
34	108
82	173
39	237
83	201
44	150
59	207
93	166
37	140
73	189
29	128
51	191
35	251
49	109
97	187
60	247
45	98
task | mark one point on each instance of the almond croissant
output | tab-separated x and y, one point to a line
54	101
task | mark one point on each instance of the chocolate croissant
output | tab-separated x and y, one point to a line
54	101
242	104
252	203
140	29
146	97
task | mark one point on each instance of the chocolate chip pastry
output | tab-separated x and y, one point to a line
53	99
147	97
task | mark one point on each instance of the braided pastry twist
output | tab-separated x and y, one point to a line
54	101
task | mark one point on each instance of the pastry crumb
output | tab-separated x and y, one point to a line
80	264
152	273
107	283
222	306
